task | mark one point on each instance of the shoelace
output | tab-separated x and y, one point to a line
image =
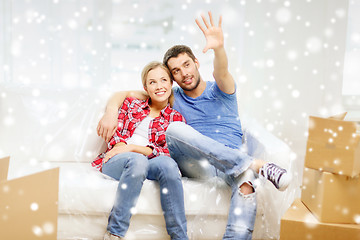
273	172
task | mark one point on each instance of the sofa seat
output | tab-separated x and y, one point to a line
86	197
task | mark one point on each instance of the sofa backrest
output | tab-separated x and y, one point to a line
51	125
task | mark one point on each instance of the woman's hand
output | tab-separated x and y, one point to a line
118	148
123	148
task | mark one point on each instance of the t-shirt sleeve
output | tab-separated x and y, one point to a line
217	92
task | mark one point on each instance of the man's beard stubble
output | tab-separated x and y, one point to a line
196	85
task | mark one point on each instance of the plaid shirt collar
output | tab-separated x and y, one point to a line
165	112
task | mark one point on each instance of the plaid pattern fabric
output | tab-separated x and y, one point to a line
131	113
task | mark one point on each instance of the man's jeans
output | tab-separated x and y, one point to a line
131	169
199	156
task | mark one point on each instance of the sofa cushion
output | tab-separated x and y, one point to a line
85	190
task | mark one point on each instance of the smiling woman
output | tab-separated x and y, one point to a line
131	160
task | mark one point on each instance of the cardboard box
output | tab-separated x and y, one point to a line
333	146
332	198
298	224
28	205
4	168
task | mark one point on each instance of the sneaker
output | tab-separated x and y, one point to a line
109	236
277	175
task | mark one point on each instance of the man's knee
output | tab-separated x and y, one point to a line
246	188
173	127
177	131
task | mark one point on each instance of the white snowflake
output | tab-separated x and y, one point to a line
34	206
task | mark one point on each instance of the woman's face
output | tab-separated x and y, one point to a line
158	85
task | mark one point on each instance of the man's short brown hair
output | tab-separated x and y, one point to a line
175	51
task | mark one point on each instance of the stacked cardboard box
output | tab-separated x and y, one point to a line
298	223
329	207
333	146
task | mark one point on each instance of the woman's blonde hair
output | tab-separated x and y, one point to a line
150	66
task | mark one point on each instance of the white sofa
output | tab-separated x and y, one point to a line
42	128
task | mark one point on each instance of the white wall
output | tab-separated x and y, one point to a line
292	65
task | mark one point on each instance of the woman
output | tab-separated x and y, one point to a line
138	150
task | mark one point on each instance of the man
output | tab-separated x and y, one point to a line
209	145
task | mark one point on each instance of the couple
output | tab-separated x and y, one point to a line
146	131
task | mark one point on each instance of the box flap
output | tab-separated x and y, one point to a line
4	167
333	132
299	212
298	223
340	116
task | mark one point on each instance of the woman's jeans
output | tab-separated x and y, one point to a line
199	156
131	169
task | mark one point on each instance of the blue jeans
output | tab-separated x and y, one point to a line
199	156
131	169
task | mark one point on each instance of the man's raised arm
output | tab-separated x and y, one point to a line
215	40
108	123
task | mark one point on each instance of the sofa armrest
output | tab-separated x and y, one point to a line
262	144
272	204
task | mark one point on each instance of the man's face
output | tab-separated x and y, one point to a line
185	71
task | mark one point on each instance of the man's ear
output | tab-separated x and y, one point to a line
197	63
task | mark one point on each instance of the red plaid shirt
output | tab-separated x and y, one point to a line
131	113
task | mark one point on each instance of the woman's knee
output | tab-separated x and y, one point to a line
137	163
166	166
